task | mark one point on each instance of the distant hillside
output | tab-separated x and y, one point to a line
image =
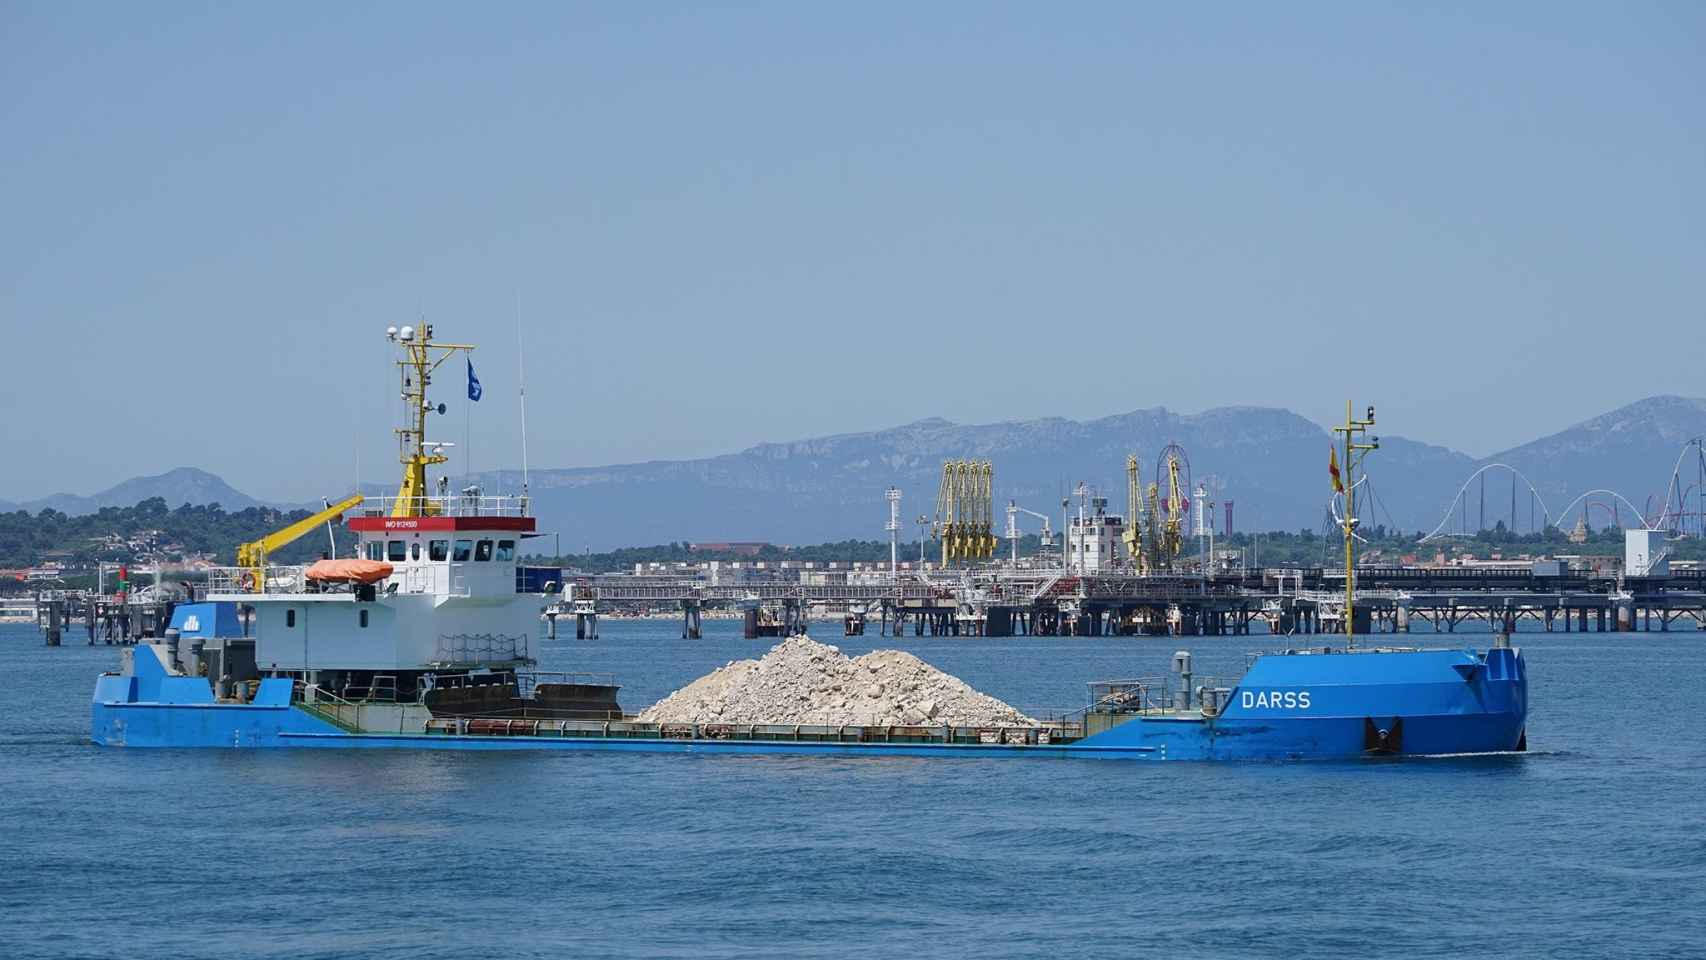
1632	450
177	487
1271	462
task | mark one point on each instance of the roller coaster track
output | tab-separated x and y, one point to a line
1645	525
1673	516
1545	513
1675	520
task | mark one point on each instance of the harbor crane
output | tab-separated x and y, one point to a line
1045	539
1139	535
252	556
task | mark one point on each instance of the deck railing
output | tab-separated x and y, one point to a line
1146	695
477	649
460	505
279	579
328	706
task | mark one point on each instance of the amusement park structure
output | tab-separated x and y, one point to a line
1678	512
1173	475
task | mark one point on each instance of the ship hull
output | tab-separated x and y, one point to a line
1304	707
177	726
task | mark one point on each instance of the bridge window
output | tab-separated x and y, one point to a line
483	551
506	551
396	551
375	550
464	549
290	618
414	553
438	550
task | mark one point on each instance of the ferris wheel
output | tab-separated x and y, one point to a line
1173	481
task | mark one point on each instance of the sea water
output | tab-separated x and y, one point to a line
1592	844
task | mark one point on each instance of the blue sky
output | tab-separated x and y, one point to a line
725	224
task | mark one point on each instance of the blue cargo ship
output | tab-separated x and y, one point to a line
422	641
1297	704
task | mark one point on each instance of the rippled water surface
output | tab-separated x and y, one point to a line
1594	844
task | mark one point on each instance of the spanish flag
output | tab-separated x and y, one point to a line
1333	468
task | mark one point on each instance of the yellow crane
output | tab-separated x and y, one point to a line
252	556
1152	529
1134	514
1173	540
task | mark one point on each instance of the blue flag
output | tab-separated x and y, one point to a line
474	390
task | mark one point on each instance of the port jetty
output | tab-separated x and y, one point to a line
1030	597
1039	601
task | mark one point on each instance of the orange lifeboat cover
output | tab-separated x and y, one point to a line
349	571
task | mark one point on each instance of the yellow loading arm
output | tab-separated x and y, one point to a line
253	556
965	511
945	528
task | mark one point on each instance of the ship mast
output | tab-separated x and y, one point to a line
420	358
1354	452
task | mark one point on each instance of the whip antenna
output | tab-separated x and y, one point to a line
521	381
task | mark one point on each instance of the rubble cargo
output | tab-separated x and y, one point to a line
805	682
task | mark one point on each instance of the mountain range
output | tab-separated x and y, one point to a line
177	487
1270	462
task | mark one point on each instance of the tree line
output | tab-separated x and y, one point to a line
27	539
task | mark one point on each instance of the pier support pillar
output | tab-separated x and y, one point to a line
1361	621
54	612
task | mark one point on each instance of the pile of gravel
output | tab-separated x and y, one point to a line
802	681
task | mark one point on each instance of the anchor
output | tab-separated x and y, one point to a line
1382	740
